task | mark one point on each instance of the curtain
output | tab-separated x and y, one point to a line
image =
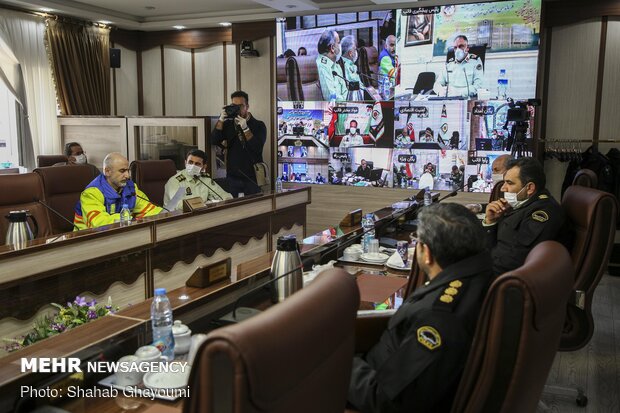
28	75
81	64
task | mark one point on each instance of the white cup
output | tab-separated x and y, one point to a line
351	254
148	355
182	337
128	378
373	247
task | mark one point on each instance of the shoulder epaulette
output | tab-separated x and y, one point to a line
180	177
449	298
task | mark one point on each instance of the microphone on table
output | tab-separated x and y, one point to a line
453	193
149	201
197	177
350	85
58	214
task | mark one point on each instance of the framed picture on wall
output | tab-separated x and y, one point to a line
419	29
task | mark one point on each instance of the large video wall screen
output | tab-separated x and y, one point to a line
405	98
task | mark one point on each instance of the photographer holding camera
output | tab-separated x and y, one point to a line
243	137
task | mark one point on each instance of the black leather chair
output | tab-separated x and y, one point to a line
151	177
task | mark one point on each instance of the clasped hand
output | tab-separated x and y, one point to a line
495	210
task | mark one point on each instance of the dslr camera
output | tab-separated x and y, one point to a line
232	111
519	112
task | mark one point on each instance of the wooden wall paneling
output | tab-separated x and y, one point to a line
573	11
610	99
163	78
572	84
140	83
599	80
127	82
113	102
98	136
255	74
210	80
193	82
178	81
152	79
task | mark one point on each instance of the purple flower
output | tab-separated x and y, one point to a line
80	301
58	327
91	315
92	303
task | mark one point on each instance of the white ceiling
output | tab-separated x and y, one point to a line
164	14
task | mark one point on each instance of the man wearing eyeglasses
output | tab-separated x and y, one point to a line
417	363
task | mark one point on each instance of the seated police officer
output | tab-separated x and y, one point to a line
102	200
195	182
525	216
419	359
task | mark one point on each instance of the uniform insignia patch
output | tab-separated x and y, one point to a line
180	178
451	291
188	191
324	60
543	196
456	284
479	67
446	299
540	216
429	337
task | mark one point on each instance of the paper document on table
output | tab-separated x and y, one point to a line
174	201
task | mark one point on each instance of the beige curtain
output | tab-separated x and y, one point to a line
81	62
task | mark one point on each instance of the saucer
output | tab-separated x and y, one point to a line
375	257
166	380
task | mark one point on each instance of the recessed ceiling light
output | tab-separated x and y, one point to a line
179	27
226	24
104	22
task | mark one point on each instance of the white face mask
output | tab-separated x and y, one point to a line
338	52
352	131
460	54
80	159
497	178
512	198
192	169
354	57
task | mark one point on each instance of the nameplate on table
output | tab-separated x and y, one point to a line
191	204
207	275
352	218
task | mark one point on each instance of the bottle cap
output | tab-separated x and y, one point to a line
287	243
125	206
160	291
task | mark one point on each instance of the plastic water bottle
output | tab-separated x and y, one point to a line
278	185
428	197
368	226
125	215
161	319
403	182
502	85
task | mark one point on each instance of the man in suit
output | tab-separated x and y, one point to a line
417	363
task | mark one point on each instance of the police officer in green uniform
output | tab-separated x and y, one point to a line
463	73
333	87
417	363
525	216
194	181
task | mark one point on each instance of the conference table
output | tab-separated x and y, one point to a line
175	240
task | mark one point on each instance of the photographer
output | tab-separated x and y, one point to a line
243	137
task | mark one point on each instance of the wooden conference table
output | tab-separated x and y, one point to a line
167	244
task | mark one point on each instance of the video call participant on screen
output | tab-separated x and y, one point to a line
102	200
363	170
462	76
243	139
387	59
417	363
403	140
76	156
352	138
302	51
498	169
348	45
524	217
333	87
194	181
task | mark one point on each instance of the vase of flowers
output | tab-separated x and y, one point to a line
72	315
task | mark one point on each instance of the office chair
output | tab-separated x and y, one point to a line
517	335
587	178
294	357
151	177
424	84
592	214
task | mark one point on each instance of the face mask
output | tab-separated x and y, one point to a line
192	169
497	178
338	52
352	131
354	57
80	159
512	198
460	54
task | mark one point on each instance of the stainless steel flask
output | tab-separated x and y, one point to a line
286	261
19	231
